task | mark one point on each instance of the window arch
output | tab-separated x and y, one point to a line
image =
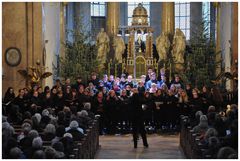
182	17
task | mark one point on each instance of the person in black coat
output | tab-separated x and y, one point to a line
159	109
36	103
8	98
20	101
48	101
9	95
112	104
136	102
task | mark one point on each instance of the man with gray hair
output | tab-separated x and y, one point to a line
37	143
75	130
87	107
15	153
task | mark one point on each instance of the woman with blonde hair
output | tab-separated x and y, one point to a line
183	103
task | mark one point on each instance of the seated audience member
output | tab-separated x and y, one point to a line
213	147
225	152
49	132
202	126
50	152
58	146
75	130
45	119
39	154
83	119
37	144
68	144
87	107
60	131
15	153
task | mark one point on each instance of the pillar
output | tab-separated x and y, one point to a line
62	29
51	34
112	23
218	47
168	17
235	31
234	40
112	18
225	38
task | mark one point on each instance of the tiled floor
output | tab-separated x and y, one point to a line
121	147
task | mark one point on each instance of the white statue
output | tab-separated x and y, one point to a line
102	44
119	48
179	46
163	45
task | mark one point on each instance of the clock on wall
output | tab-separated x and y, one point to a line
13	56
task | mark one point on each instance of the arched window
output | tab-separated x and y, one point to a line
132	5
98	9
182	17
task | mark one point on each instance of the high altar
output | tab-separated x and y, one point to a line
140	44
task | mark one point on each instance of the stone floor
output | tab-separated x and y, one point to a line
121	147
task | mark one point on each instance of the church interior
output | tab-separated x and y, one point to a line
120	80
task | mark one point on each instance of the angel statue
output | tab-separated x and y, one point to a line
179	46
163	45
119	48
36	75
102	44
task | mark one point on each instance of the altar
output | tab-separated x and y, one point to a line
139	44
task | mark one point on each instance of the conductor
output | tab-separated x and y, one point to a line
137	118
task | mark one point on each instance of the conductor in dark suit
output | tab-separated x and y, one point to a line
136	102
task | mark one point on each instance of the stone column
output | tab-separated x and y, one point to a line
225	38
218	46
234	40
51	33
235	31
168	17
112	23
62	28
112	18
